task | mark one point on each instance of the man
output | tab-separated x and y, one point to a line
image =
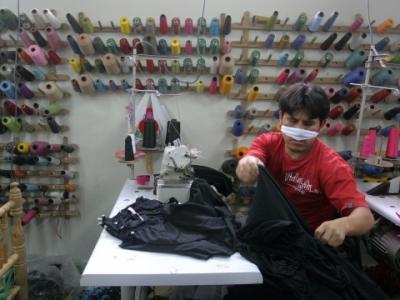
314	177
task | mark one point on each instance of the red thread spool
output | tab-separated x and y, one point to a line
380	95
138	84
12	108
124	46
150	66
282	77
336	112
212	88
162	65
163	24
334	129
188	26
176	25
313	74
27	109
354	93
55	148
25	56
137	44
348	129
139	67
53	57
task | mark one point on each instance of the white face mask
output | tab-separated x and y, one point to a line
298	134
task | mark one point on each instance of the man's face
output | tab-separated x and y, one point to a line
300	120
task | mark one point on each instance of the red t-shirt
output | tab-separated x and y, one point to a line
321	185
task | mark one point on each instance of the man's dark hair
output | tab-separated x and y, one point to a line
310	99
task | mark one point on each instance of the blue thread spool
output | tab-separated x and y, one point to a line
269	41
339	95
73	44
237	128
356	59
237	113
100	86
29	187
8	88
355	76
25	91
276	114
298	41
283	59
163	47
113	86
345	154
175	86
162	85
41	161
371	170
214	26
385	131
316	21
38	73
382	77
329	23
240	77
381	45
125	85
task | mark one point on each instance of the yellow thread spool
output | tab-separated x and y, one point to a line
125	26
75	65
252	95
385	25
23	148
226	85
200	86
175	47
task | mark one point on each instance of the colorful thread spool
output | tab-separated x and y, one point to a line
73	44
269	41
380	95
240	77
255	57
37	54
354	93
201	66
382	77
297	76
381	44
227	65
281	79
300	22
8	89
298	57
339	95
99	46
336	112
125	25
188	28
326	59
76	27
85	44
269	25
240	152
54	58
40	40
175	47
200	86
238	128
253	76
188	49
283	58
214	46
298	42
356	59
316	21
392	147
226	85
355	76
51	90
385	25
356	41
111	64
226	29
351	112
329	23
75	65
214	27
311	76
343	41
356	23
253	93
348	129
212	88
87	25
53	38
237	112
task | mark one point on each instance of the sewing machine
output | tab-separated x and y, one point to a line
176	173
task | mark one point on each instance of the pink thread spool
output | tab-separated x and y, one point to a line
212	88
281	79
142	179
372	139
392	147
226	47
365	147
25	38
30	215
334	129
55	148
175	25
357	23
189	26
297	76
39	148
53	38
188	47
37	54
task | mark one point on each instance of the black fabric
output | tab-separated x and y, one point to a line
222	183
294	265
202	227
173	131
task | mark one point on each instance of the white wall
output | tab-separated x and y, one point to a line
97	123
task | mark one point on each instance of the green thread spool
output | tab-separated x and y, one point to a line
11	123
356	59
395	59
300	22
255	57
52	109
284	42
112	46
188	65
99	65
201	26
86	25
175	67
9	19
214	46
271	21
137	25
382	77
326	59
99	46
201	46
87	66
201	65
26	127
298	57
253	76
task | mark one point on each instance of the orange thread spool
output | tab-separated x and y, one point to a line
240	152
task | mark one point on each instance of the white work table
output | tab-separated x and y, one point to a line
110	265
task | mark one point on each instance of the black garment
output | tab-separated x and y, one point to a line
222	183
201	228
294	265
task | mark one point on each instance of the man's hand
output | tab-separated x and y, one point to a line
332	232
247	169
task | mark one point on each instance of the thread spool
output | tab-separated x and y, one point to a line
227	65
343	41
100	86
385	25
269	41
237	112
238	128
325	60
311	76
253	93
298	57
188	65
200	86
124	46
30	111
281	79
283	59
85	44
38	37
87	25
162	86
112	46
24	56
25	91
201	66
251	113
112	85
300	22
226	85
52	90
150	67
76	27
214	65
6	71
53	125
226	28
226	47
25	38
39	148
12	108
176	25
125	25
53	38
201	25
392	147
253	76
355	76
298	42
175	47
214	27
163	47
137	25
326	44
382	77
255	57
37	54
125	68
9	19
380	95
336	112
188	28
75	65
188	49
339	95
175	86
284	42
8	89
212	88
316	21
356	41
126	86
351	112
11	124
150	25
39	20
73	44
87	66
38	73
201	46
86	84
23	148
229	166
356	59
297	76
52	110
175	67
381	44
163	24
356	23
24	73
111	64
391	113
99	46
329	23
240	77
53	161
354	93
348	129
53	57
